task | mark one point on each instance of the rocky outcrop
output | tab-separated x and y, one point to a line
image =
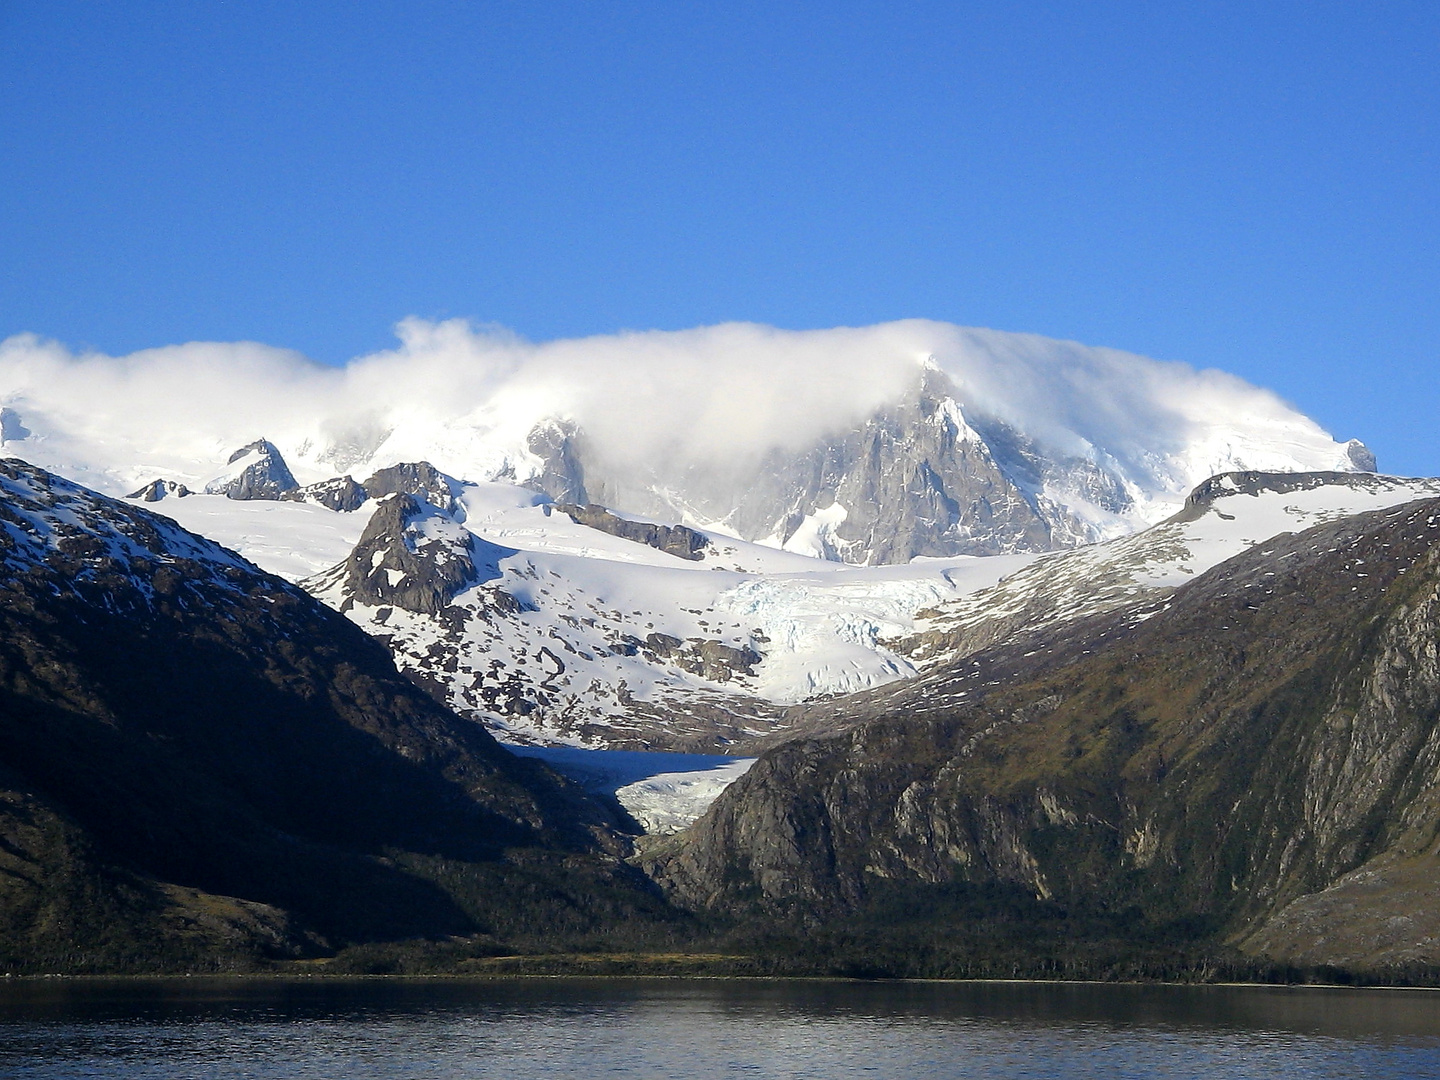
262	474
412	556
706	657
1243	763
160	489
340	493
1360	455
677	540
418	478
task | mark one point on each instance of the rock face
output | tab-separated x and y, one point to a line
340	493
1254	761
675	540
419	478
413	556
259	472
560	448
921	477
203	766
916	480
160	489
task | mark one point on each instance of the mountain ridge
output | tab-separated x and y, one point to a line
869	445
1229	756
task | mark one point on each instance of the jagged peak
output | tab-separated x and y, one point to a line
1360	455
263	475
418	478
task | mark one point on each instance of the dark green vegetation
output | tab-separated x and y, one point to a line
1248	776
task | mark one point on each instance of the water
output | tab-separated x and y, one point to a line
698	1029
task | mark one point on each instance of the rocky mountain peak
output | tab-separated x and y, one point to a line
412	555
921	477
417	478
258	471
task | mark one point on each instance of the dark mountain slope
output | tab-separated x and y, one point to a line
1199	773
199	760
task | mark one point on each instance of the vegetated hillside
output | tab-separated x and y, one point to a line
202	765
1253	763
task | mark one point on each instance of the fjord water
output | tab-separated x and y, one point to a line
524	1028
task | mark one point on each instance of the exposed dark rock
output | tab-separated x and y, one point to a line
706	657
677	540
204	766
413	556
159	489
266	477
418	478
340	493
1255	760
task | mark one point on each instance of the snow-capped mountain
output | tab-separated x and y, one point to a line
551	629
562	624
667	540
925	476
870	446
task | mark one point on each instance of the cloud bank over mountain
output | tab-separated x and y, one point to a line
466	397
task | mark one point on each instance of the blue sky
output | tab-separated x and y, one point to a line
1246	186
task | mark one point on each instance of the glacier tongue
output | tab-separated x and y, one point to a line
663	792
578	635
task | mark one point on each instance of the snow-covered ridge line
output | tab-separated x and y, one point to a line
47	519
1225	515
873	444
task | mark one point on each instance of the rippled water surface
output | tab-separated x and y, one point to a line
700	1028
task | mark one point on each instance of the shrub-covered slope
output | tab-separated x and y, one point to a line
1254	761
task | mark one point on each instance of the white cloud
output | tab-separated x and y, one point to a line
466	396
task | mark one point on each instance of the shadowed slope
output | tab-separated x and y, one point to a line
176	724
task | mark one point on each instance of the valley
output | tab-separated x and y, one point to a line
923	696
